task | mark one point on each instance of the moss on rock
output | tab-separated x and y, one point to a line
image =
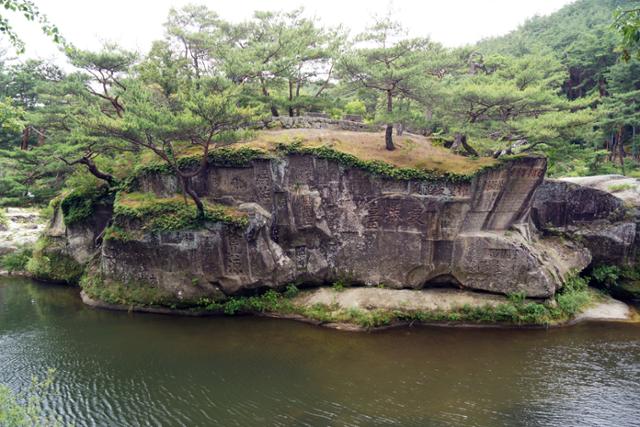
168	214
50	263
79	204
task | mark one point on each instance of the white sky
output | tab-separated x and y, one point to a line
135	23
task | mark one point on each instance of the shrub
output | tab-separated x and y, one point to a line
24	409
16	261
355	107
615	188
291	291
80	203
606	275
49	263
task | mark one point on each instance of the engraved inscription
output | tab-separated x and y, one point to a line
494	184
500	253
415	216
301	257
238	183
374	217
306	216
518	172
233	260
430	189
263	185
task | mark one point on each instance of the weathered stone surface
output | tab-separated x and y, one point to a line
314	221
393	299
82	240
564	204
623	187
599	220
607	310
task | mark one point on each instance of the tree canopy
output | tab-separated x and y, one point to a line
564	85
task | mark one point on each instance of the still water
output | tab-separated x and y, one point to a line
116	368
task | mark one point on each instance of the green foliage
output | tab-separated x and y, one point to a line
517	310
11	117
16	261
24	409
80	203
224	156
356	106
616	188
554	86
50	263
31	13
115	232
136	293
291	291
338	286
627	23
606	275
168	214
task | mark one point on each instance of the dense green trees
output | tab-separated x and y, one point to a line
389	64
556	85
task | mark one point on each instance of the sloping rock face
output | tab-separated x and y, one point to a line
314	221
599	220
623	187
80	241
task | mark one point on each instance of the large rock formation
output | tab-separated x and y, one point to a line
315	221
599	220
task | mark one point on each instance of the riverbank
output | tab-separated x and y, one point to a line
251	371
19	227
371	309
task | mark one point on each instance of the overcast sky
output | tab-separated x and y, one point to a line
135	23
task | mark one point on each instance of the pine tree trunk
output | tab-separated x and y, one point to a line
26	133
621	150
41	137
290	98
186	185
388	136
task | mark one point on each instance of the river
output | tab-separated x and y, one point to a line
117	369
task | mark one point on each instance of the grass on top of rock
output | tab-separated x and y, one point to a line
412	151
171	213
414	158
617	188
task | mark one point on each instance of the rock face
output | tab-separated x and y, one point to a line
598	219
315	221
623	187
79	241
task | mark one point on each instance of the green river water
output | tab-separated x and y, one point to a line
121	369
